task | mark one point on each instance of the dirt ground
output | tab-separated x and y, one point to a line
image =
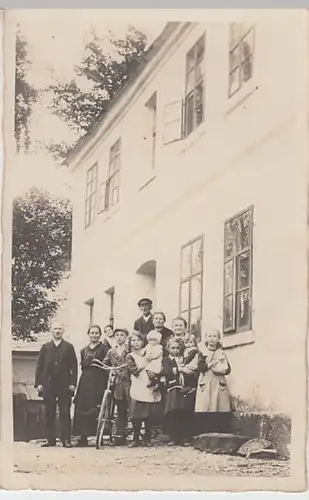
129	465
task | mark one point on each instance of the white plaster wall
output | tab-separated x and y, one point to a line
251	150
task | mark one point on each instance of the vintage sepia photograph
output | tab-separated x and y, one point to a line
155	250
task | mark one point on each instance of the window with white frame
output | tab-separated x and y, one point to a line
238	254
91	194
194	96
191	284
241	49
113	181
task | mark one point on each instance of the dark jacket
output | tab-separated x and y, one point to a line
142	326
122	380
166	334
56	368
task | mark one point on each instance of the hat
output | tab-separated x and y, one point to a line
144	300
124	330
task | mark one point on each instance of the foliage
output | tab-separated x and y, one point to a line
105	74
25	94
41	252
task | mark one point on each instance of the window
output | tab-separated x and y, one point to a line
90	305
194	98
241	48
112	188
191	285
151	121
91	195
111	295
238	273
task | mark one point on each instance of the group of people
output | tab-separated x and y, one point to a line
165	378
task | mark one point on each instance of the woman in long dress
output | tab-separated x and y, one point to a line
90	389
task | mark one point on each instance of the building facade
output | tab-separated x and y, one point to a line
193	191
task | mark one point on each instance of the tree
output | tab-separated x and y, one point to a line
41	253
105	73
25	94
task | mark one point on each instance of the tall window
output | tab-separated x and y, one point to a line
151	123
111	295
90	305
191	284
113	175
194	99
91	194
241	47
238	273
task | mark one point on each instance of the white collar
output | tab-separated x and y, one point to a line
57	342
147	318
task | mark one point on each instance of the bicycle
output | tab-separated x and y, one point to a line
107	408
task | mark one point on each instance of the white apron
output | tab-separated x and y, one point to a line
139	390
212	392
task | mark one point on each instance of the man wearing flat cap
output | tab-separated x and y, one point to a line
144	324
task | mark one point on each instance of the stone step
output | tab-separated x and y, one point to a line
219	443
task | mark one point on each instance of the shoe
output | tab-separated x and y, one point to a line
134	444
67	444
148	444
82	442
48	444
171	443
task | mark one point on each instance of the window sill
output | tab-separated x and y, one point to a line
238	339
241	96
145	184
108	214
195	136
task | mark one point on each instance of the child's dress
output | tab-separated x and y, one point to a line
212	391
154	365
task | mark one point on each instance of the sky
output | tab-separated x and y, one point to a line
56	41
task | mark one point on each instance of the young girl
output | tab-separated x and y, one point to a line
117	357
90	387
154	356
145	401
190	362
213	406
178	407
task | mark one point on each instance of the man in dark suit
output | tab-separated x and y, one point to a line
55	381
144	324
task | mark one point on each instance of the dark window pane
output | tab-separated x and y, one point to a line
186	262
228	323
189	114
243	312
184	296
196	291
195	322
199	104
228	277
200	48
247	45
197	256
243	231
190	60
246	69
243	271
190	81
234	82
230	238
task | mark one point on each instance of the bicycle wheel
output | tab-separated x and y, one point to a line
103	418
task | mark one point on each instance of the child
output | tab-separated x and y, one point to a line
109	338
117	357
190	362
154	356
213	406
178	407
144	401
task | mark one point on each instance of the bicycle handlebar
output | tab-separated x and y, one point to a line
99	364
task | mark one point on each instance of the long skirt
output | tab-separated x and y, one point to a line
87	402
145	411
